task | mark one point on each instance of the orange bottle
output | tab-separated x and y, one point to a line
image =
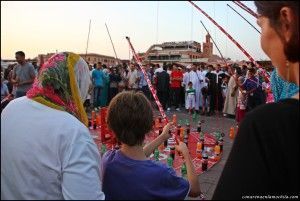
97	119
174	119
199	150
181	134
231	132
217	152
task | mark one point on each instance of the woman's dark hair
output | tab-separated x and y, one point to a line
130	116
271	10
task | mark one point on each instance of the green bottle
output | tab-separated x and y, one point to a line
194	116
183	170
156	154
103	149
170	161
218	135
201	135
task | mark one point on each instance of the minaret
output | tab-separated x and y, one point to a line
207	47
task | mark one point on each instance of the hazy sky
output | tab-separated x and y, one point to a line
44	27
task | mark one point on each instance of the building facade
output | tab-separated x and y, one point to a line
183	52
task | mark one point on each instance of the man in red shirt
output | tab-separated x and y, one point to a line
176	79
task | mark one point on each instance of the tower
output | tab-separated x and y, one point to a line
207	47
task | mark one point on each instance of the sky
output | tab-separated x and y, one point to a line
41	27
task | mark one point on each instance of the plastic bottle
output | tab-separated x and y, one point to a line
181	134
171	142
186	139
174	119
199	127
221	142
199	150
204	161
202	140
231	132
187	127
217	152
170	161
183	170
166	141
156	154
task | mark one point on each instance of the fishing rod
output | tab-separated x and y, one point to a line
112	43
138	61
244	19
229	36
246	8
87	43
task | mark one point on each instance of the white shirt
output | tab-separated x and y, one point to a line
47	154
158	70
133	76
194	79
186	79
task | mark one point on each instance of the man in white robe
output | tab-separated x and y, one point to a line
195	79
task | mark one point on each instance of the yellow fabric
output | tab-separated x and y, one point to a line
43	101
71	61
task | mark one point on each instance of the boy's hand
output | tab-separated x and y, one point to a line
166	135
182	148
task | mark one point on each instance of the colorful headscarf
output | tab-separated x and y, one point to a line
62	83
282	89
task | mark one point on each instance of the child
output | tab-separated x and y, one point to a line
190	97
241	103
127	173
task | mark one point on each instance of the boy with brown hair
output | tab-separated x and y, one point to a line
127	172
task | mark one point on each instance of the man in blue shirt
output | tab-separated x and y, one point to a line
98	78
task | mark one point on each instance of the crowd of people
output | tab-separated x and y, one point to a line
206	89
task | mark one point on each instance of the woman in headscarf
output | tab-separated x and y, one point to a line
46	149
264	160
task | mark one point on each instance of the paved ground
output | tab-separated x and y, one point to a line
209	179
